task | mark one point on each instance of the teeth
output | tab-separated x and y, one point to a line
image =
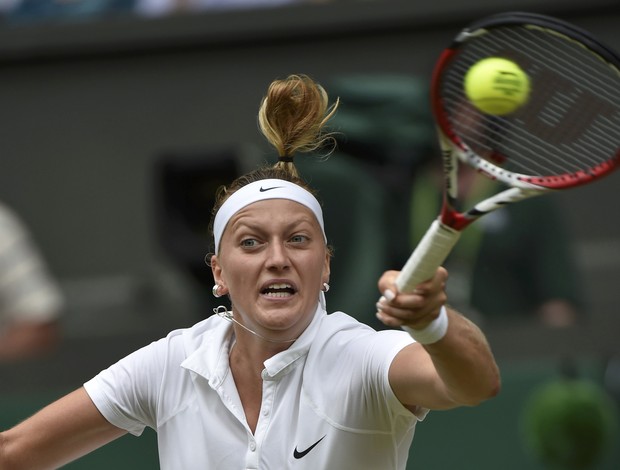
279	290
279	286
278	294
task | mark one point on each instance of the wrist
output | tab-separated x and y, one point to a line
432	332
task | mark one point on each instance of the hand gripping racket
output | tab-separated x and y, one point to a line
566	134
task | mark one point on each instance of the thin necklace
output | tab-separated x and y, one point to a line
226	314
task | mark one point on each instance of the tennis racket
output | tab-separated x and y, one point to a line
566	134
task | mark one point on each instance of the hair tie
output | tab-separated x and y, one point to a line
285	158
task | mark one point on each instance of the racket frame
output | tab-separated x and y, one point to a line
444	232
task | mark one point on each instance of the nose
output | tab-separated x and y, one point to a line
277	256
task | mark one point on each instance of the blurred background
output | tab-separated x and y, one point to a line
119	118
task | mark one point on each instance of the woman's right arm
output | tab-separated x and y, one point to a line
58	434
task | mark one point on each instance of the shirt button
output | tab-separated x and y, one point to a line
265	412
252	446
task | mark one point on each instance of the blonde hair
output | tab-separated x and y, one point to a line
292	117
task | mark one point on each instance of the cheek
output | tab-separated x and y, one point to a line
237	272
314	267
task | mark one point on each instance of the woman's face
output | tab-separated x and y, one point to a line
273	262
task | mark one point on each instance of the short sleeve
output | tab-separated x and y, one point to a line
127	392
355	362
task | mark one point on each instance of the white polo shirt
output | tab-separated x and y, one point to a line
326	403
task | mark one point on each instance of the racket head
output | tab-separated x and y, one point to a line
568	131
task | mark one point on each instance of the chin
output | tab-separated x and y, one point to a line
283	316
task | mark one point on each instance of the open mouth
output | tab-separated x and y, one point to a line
278	290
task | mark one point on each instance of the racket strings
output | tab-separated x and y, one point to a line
571	121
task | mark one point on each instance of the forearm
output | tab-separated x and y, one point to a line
451	363
25	340
464	362
60	433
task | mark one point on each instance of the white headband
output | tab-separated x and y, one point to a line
260	191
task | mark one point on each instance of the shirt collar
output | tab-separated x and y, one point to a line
208	351
210	359
281	363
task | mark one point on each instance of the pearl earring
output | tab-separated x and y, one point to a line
325	287
215	290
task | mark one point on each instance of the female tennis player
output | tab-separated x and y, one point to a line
274	382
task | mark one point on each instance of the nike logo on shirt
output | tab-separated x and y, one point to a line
262	190
299	454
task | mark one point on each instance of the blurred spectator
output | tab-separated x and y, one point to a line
7	5
30	301
152	8
27	11
515	262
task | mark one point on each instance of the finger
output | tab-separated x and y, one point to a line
388	281
396	318
396	314
390	302
437	282
388	320
412	308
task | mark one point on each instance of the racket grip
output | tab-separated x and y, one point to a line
427	256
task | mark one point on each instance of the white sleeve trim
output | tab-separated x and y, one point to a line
94	388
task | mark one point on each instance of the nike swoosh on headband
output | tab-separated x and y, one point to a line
262	190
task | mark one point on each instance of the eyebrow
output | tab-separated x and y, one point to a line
240	222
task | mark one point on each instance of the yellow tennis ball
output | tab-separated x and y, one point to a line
497	86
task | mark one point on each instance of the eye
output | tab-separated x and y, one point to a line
249	242
299	239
